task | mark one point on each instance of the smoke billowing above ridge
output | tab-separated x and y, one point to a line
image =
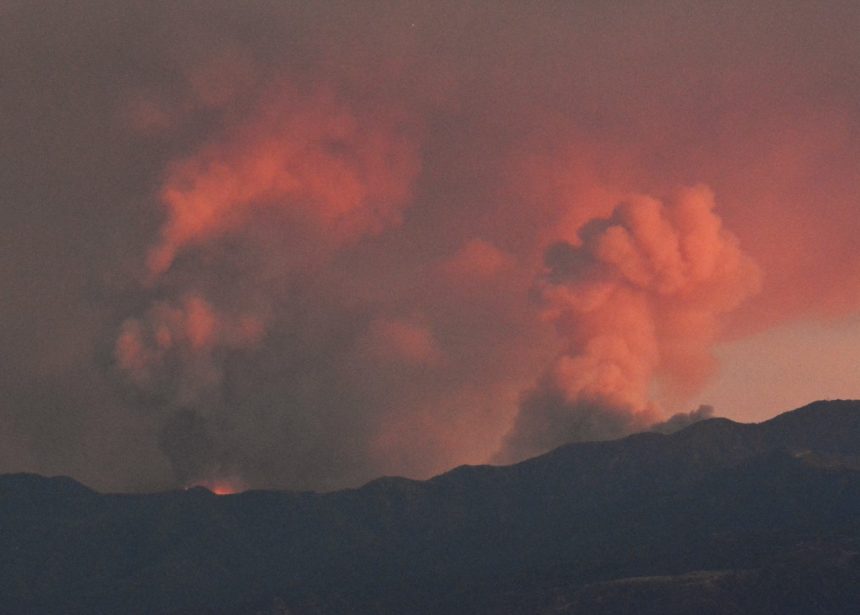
301	246
319	176
681	420
638	297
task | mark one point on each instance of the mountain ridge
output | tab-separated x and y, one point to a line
717	495
839	409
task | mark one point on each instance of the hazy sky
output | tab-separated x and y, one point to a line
304	244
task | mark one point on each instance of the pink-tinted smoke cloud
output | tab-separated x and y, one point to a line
636	300
313	175
309	158
301	245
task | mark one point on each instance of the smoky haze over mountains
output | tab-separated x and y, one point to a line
717	518
302	245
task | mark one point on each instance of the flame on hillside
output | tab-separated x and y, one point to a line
221	487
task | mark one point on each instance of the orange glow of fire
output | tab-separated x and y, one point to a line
221	487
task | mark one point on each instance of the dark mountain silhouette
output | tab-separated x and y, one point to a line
720	517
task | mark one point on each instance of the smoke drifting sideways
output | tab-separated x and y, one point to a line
636	298
309	160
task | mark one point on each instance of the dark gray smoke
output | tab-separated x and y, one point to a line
547	420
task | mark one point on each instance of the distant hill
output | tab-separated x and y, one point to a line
720	517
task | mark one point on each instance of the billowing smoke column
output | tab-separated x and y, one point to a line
636	299
279	195
173	358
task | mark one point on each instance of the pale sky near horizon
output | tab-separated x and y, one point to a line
785	368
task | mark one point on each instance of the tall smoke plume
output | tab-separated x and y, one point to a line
291	244
637	297
318	176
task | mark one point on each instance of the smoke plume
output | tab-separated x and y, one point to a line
292	244
681	420
636	298
281	192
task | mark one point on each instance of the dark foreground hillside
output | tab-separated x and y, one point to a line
718	518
